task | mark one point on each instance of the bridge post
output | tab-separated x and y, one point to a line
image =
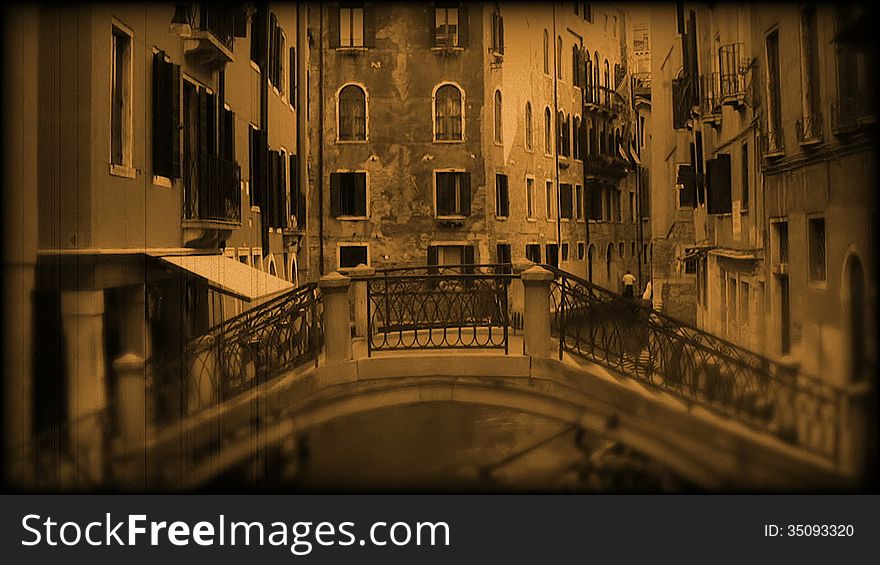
132	417
517	292
536	311
359	276
337	320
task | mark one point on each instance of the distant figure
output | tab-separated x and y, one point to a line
648	296
629	282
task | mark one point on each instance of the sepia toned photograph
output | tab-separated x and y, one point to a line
439	247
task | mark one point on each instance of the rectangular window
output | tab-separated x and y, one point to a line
817	249
348	195
447	29
497	33
781	232
530	198
552	253
120	110
580	250
453	194
351	25
502	253
731	299
744	206
565	251
774	89
502	201
566	201
549	199
744	314
579	201
350	256
632	207
533	253
166	117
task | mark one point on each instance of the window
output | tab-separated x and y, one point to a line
744	316
780	230
810	70
448	120
774	123
620	249
744	206
580	251
352	114
564	134
549	199
276	54
530	198
559	58
447	30
551	252
502	253
731	299
614	26
350	256
166	117
548	139
533	253
579	202
564	251
120	109
348	195
351	24
291	91
575	137
546	53
497	33
453	193
502	202
565	201
451	255
497	116
817	249
632	208
575	65
528	125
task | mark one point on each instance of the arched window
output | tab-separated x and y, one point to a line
497	116
548	140
607	83
528	125
609	255
575	65
352	114
559	57
591	138
561	126
447	113
596	75
546	53
576	138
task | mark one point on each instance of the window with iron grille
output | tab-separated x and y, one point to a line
780	230
817	249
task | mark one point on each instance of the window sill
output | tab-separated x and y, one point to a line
446	49
501	218
352	218
254	66
532	220
451	218
817	285
164	182
351	141
123	171
353	50
449	141
255	209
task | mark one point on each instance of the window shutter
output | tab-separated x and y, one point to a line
160	111
465	180
501	35
333	25
433	258
335	200
272	190
463	29
293	187
283	214
291	89
719	185
467	258
239	22
175	121
505	201
581	71
360	193
432	25
369	26
263	173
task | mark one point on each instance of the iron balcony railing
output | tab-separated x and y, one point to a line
211	188
438	307
627	336
732	74
218	20
607	166
604	99
233	357
710	102
850	113
773	143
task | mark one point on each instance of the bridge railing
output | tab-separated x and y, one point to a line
438	307
629	337
233	357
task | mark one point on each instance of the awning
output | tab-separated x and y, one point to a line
229	276
733	254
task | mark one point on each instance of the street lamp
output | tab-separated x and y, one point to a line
181	23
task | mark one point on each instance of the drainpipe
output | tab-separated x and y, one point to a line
632	92
557	131
321	141
587	209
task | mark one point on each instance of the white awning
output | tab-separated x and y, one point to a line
230	276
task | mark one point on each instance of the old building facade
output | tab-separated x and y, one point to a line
439	142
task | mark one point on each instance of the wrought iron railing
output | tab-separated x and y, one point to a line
809	129
218	20
233	357
211	188
612	166
773	143
845	115
604	98
438	307
627	336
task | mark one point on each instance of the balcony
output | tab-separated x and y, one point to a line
642	84
605	167
732	75
710	103
604	100
212	192
849	114
213	34
809	130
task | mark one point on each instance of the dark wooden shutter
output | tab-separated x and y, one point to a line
333	25
335	195
369	26
162	123
463	28
505	197
432	25
272	190
467	258
719	199
465	180
501	35
360	194
174	119
433	258
239	22
203	121
291	89
687	197
284	214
